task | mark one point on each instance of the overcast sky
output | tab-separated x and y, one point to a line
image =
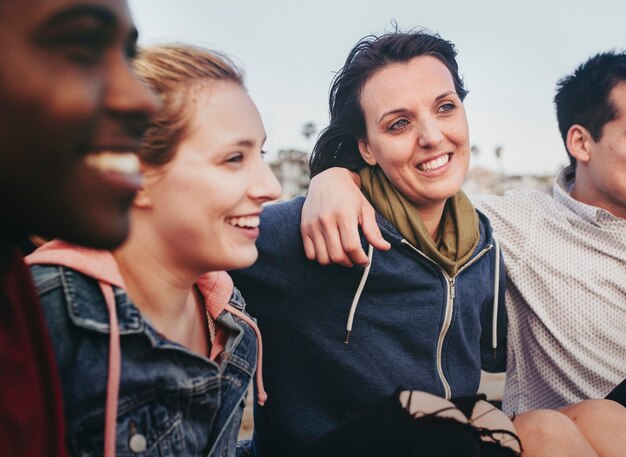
511	54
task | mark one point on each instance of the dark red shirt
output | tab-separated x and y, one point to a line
31	414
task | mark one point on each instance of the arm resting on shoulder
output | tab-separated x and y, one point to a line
332	213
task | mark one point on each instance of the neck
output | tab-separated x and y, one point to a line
431	218
164	294
586	193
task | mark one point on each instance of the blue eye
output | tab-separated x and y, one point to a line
447	107
398	125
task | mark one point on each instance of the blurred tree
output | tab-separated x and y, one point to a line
308	130
498	153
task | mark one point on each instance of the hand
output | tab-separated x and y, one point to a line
332	212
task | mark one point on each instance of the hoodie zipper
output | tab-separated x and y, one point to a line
451	281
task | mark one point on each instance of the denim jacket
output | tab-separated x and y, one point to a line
172	401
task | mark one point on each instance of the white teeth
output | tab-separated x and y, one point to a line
125	163
245	221
434	164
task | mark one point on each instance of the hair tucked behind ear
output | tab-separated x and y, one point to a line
337	144
173	72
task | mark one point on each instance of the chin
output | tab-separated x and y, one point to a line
105	236
450	189
239	260
106	241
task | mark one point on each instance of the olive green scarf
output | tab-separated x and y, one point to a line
457	236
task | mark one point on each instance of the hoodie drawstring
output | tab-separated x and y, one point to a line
261	394
496	300
357	295
113	381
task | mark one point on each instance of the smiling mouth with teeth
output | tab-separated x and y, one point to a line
124	163
244	222
434	164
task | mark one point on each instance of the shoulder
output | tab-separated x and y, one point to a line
68	295
487	238
280	224
484	227
287	210
513	203
515	211
47	278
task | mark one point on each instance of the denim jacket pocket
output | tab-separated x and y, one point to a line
149	431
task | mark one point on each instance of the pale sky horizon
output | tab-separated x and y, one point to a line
511	55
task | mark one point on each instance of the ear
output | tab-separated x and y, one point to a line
579	143
143	198
364	149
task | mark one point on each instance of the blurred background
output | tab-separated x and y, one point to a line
511	55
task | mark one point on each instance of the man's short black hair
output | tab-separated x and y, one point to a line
584	96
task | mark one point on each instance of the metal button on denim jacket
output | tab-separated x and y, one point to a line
172	402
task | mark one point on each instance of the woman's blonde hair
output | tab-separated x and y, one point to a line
172	72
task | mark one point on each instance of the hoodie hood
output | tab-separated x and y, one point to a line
216	286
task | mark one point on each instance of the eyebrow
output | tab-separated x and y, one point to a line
401	110
245	143
104	15
248	143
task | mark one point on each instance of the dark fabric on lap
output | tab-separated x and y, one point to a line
387	430
618	394
466	404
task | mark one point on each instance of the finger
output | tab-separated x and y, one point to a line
321	256
372	231
334	245
322	243
309	246
351	241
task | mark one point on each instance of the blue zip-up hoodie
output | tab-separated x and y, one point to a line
414	328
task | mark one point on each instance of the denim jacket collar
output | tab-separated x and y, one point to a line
87	309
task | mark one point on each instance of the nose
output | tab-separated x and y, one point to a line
126	95
265	187
429	134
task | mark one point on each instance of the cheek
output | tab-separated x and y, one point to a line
459	135
53	125
193	206
394	154
72	114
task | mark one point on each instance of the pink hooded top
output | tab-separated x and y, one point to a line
216	288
